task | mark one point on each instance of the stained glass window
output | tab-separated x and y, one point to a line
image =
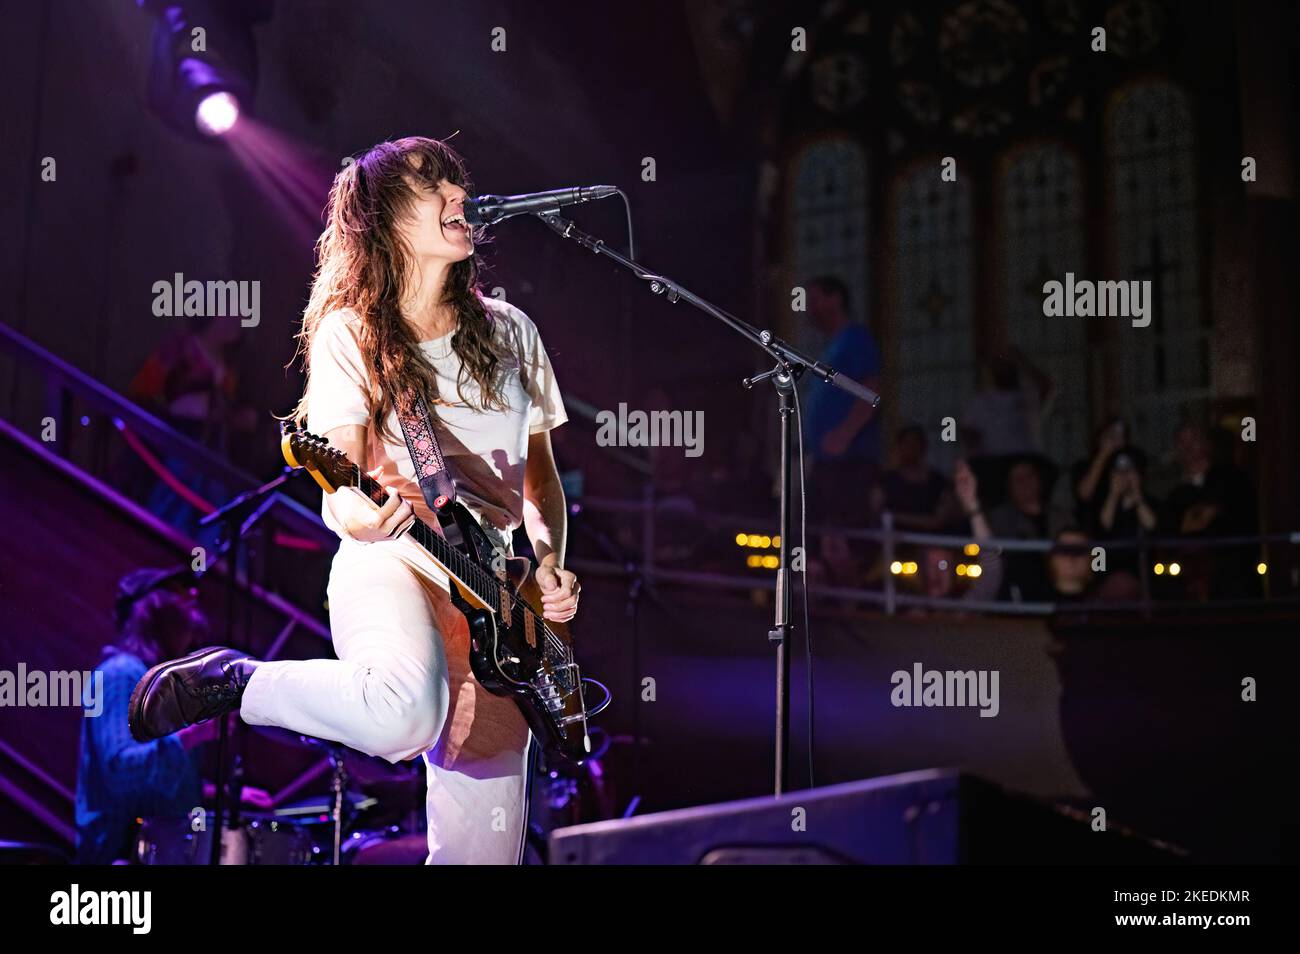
1165	367
830	224
933	295
1041	233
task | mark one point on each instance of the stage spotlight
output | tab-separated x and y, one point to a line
1261	568
217	114
1174	569
203	68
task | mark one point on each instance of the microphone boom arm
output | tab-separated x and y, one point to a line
790	364
790	359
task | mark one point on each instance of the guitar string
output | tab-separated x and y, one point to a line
468	568
489	587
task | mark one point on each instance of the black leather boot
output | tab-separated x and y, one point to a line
178	693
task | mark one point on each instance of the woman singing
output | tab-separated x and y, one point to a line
395	310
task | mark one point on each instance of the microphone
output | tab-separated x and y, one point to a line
487	209
859	391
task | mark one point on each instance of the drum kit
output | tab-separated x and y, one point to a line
370	813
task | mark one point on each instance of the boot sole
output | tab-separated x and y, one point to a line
134	713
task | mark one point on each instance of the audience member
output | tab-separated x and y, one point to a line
918	496
1089	476
1025	515
1112	502
842	434
1070	577
1004	419
1211	499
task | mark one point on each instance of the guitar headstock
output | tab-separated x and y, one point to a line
327	465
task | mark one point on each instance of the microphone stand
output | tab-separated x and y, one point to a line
637	586
791	364
231	545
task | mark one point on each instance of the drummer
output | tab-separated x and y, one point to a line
157	617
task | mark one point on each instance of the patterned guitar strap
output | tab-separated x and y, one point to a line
426	455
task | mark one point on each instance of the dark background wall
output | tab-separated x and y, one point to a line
571	101
736	123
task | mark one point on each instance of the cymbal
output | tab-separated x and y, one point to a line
316	809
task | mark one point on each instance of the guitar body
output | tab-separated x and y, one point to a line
513	651
504	652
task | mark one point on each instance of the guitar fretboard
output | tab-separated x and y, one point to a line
478	578
485	585
460	565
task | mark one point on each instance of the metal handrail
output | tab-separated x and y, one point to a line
630	505
62	376
882	597
59	376
151	523
888	595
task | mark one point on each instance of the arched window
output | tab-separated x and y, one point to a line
829	216
1165	367
933	297
1040	205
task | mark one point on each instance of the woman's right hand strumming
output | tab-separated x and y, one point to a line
365	522
360	518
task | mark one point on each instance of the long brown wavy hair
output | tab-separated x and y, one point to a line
364	264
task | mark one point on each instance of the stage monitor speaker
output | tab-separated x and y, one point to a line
936	816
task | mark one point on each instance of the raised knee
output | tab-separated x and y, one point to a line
404	721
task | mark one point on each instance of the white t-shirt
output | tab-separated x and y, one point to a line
485	450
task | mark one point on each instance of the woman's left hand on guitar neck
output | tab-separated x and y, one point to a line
559	592
546	522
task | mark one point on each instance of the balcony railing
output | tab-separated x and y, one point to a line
889	590
628	538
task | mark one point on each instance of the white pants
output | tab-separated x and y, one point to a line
402	687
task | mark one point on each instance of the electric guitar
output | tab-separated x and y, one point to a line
513	650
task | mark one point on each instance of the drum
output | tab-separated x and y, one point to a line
272	842
260	840
390	846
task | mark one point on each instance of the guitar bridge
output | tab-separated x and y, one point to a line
553	689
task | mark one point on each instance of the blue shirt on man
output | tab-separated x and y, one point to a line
120	779
852	352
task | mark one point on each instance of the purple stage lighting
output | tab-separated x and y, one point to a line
203	90
217	113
